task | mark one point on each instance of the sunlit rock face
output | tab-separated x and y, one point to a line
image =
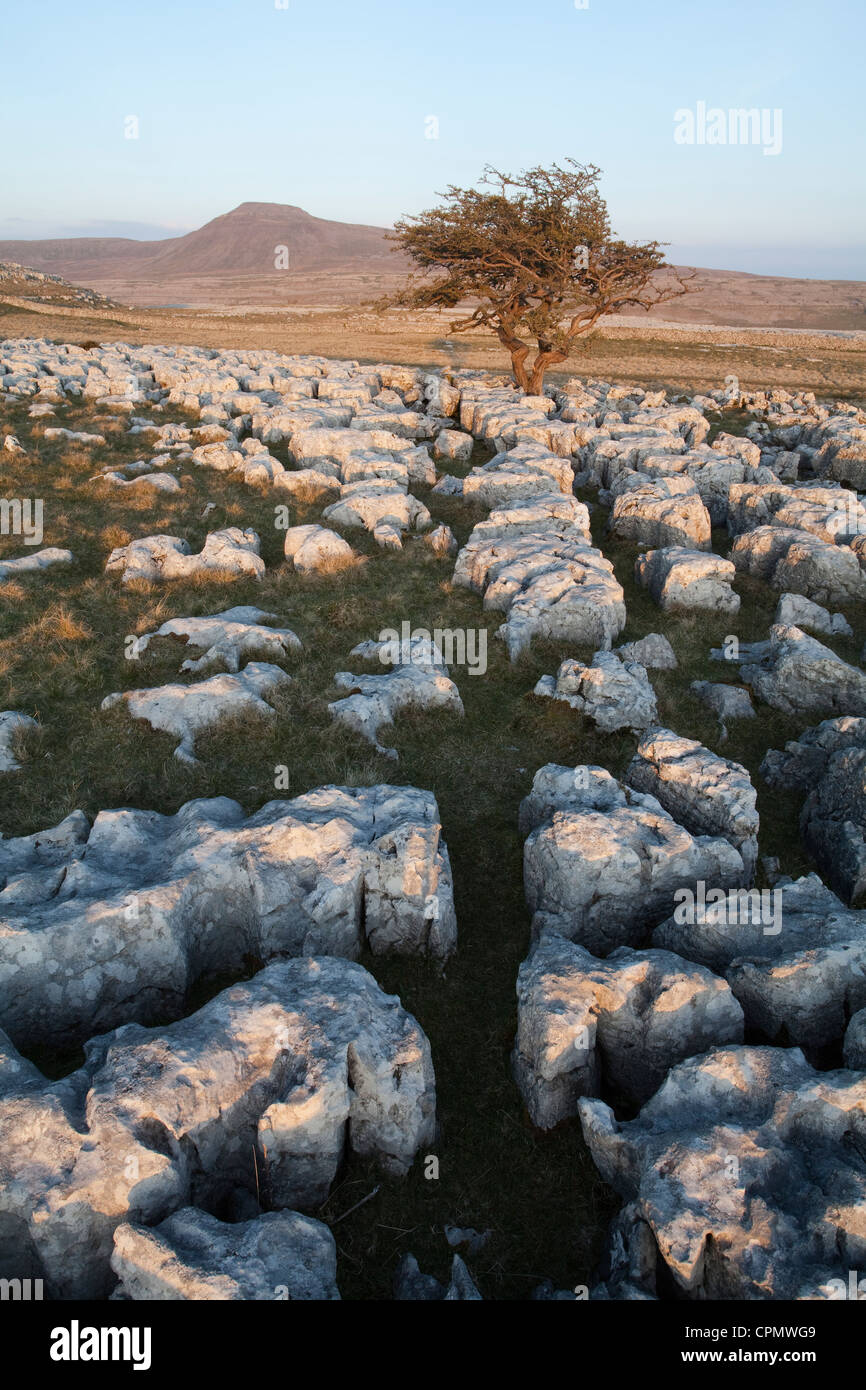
660	512
799	562
548	582
707	794
158	559
613	692
528	470
116	921
587	1026
833	514
744	1174
316	549
256	1096
230	638
681	579
797	674
603	862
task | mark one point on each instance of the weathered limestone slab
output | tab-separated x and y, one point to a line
275	1076
118	921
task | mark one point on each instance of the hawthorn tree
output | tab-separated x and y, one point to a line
533	260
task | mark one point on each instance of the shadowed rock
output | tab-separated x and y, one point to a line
794	956
746	1172
191	1256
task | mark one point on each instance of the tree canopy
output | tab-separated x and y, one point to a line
531	258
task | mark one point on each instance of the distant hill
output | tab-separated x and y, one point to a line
240	242
231	262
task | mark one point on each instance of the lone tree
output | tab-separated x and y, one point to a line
533	260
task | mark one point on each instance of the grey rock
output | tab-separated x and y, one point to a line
726	701
662	512
653	651
191	1256
798	675
158	559
418	679
614	693
805	759
602	862
854	1048
800	563
189	710
794	610
680	580
230	637
441	541
275	1077
707	794
34	563
794	956
833	822
411	1285
738	1169
586	1024
115	922
12	722
549	583
317	550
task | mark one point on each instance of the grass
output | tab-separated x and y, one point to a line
62	642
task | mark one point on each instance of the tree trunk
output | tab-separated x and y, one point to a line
546	358
519	372
519	353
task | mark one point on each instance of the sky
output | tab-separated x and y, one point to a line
147	120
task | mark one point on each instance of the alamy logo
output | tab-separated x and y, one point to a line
22	517
77	1343
847	518
453	647
737	126
854	1289
732	907
21	1290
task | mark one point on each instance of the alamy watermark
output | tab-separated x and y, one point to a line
732	907
77	1343
736	126
855	1288
847	517
22	516
21	1290
410	646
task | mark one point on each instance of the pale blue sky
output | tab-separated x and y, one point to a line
324	104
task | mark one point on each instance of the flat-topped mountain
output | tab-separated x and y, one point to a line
242	241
